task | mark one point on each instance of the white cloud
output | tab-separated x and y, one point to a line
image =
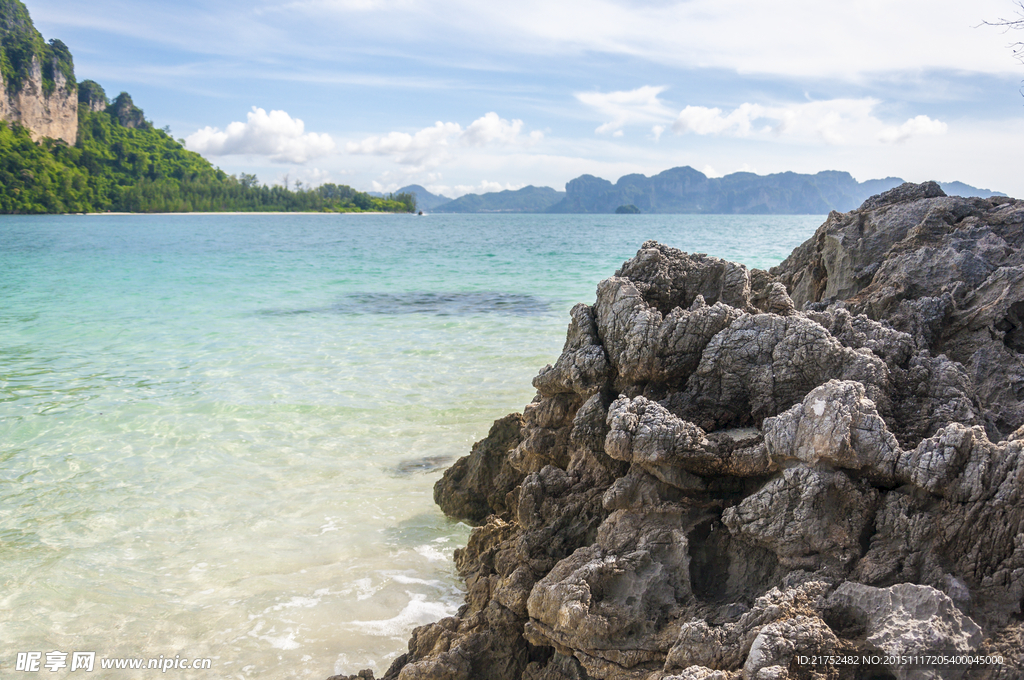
312	177
490	128
918	125
434	145
484	187
791	37
434	186
834	121
276	135
626	107
704	121
428	147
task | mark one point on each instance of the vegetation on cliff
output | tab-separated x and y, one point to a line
120	164
21	43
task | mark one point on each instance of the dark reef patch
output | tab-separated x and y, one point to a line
432	303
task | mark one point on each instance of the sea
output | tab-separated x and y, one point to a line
219	434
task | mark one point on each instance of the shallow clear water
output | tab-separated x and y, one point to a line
219	434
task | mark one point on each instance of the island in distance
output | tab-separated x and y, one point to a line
685	190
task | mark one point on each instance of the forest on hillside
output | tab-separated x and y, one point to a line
140	168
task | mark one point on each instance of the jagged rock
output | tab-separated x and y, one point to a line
699	673
836	425
674	450
727	471
669	278
907	620
546	433
809	518
777	643
858	331
583	365
644	344
612	602
762	364
903	193
728	645
365	674
477	485
949	271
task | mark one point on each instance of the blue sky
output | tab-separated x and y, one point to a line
467	96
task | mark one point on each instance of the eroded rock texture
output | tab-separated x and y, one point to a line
727	471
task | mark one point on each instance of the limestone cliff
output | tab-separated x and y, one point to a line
37	80
729	474
45	115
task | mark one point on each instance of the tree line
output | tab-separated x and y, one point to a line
121	168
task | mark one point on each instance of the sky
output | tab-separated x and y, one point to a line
464	96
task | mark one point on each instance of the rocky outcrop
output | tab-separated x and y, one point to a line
92	96
739	475
37	79
948	271
123	109
53	114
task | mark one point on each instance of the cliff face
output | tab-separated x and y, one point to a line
37	79
733	474
45	115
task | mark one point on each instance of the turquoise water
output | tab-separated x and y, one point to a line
219	434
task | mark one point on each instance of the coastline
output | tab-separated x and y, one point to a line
253	212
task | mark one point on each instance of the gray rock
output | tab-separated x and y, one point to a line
949	271
646	345
836	426
728	470
583	365
646	433
763	363
908	620
477	484
808	518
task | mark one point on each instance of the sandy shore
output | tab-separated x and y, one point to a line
253	212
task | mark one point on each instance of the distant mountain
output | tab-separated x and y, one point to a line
424	199
685	190
961	189
529	199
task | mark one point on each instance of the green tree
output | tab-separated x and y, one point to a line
118	167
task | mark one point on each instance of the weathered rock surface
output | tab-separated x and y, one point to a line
53	114
947	270
730	474
37	85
